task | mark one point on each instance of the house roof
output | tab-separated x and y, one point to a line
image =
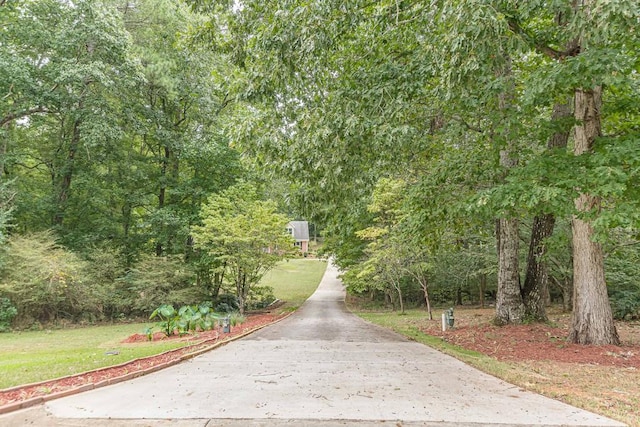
300	229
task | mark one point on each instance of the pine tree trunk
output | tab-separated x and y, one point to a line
592	319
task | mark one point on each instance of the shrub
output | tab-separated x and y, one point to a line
7	313
47	282
104	268
260	297
155	281
625	304
226	303
168	318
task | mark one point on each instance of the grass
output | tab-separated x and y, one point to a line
614	394
34	356
295	280
405	324
27	357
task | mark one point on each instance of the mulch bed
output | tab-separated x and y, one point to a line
536	341
22	396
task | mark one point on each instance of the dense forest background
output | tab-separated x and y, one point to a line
460	152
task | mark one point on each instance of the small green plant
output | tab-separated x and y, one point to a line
196	317
235	318
149	333
188	318
168	318
7	313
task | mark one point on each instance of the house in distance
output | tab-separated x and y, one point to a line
300	232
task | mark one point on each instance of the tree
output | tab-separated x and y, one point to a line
588	49
112	124
535	288
244	234
345	92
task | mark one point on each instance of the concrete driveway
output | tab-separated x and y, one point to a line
320	367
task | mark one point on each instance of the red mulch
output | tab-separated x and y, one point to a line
201	340
536	341
473	331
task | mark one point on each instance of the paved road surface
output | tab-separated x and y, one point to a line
320	367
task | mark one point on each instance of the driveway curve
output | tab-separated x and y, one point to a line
322	366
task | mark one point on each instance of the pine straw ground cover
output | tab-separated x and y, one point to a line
601	379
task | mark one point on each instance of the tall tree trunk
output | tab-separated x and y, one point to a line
509	306
592	319
536	286
67	175
536	279
242	290
162	194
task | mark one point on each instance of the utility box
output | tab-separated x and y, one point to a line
447	319
226	325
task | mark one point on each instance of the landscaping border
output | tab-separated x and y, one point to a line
15	406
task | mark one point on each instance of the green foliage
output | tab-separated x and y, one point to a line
196	317
47	282
168	318
7	195
157	280
236	318
111	129
623	271
244	234
226	303
259	297
7	313
105	269
187	319
625	304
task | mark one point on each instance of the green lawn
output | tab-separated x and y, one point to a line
295	280
27	357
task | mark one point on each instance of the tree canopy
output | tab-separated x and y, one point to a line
489	148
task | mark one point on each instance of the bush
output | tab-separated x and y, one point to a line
260	297
48	283
155	281
7	313
625	305
104	268
226	303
